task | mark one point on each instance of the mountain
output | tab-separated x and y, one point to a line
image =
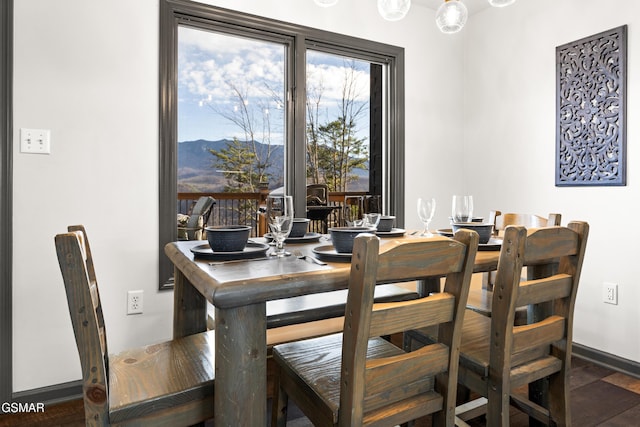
197	174
196	171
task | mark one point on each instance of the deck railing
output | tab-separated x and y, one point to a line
244	208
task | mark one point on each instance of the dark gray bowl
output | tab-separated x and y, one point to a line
386	223
483	229
299	227
228	238
342	237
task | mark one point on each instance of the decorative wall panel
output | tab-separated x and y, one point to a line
591	110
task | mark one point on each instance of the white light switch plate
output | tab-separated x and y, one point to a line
35	141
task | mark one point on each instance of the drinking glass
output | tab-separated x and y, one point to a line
280	220
372	211
426	209
461	208
353	210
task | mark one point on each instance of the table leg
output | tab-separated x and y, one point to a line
189	308
241	366
428	286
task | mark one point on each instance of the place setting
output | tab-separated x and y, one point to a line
229	243
462	217
298	233
362	214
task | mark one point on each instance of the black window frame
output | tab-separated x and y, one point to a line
174	13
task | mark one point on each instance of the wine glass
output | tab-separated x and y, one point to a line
461	208
280	220
426	209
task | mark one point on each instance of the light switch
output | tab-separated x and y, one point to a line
35	141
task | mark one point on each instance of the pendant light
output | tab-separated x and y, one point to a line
501	3
451	16
325	3
393	10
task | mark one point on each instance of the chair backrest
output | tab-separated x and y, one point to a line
317	194
503	220
202	208
553	257
76	265
369	384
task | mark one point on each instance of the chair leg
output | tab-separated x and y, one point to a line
498	404
559	399
488	279
539	394
280	402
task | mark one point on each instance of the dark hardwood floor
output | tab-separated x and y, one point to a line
599	397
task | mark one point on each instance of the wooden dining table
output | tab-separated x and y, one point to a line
239	292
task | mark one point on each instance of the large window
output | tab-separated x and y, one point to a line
233	117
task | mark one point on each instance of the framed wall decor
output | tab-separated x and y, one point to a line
591	82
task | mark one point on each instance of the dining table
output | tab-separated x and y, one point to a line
239	290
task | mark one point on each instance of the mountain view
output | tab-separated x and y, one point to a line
197	173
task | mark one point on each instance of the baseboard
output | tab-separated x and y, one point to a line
51	394
607	360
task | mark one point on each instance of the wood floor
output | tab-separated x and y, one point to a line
599	397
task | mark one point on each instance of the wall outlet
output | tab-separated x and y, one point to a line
610	293
134	302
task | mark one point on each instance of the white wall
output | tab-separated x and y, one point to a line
509	146
88	70
480	118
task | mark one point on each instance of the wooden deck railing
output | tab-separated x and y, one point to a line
244	208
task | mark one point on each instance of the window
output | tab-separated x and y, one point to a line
232	77
231	110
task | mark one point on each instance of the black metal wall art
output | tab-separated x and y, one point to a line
591	110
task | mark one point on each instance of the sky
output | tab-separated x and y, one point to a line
220	76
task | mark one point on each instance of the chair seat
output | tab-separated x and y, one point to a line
144	379
474	354
481	301
474	351
318	361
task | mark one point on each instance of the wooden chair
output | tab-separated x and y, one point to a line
169	383
356	378
497	357
502	221
480	299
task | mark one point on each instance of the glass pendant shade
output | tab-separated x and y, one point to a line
393	10
501	3
451	16
325	3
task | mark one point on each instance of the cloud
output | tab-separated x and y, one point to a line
224	72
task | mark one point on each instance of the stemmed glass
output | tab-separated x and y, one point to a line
426	209
280	220
461	208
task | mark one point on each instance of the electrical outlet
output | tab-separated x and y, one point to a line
610	293
134	302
